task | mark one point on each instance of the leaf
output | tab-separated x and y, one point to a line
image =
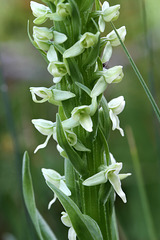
43	230
77	162
86	228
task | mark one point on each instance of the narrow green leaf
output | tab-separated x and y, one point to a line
86	228
76	160
144	85
43	230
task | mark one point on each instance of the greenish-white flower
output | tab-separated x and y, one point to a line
109	173
108	14
113	39
107	76
67	222
53	177
51	95
116	106
87	40
57	70
63	9
43	37
46	128
40	11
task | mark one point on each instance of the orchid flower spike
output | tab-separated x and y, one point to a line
110	173
67	222
116	106
108	14
53	177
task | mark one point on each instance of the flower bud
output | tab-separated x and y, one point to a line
112	36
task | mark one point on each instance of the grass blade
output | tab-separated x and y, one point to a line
146	89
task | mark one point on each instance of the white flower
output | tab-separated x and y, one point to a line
40	11
108	14
51	95
116	106
113	39
110	173
87	40
57	180
107	76
46	128
58	70
67	222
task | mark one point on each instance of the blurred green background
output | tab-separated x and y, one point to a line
21	66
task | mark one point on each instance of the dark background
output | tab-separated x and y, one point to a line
21	66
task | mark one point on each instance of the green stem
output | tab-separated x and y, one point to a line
140	182
146	89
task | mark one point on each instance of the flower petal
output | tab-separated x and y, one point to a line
116	183
72	234
43	145
63	187
52	201
96	179
86	122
